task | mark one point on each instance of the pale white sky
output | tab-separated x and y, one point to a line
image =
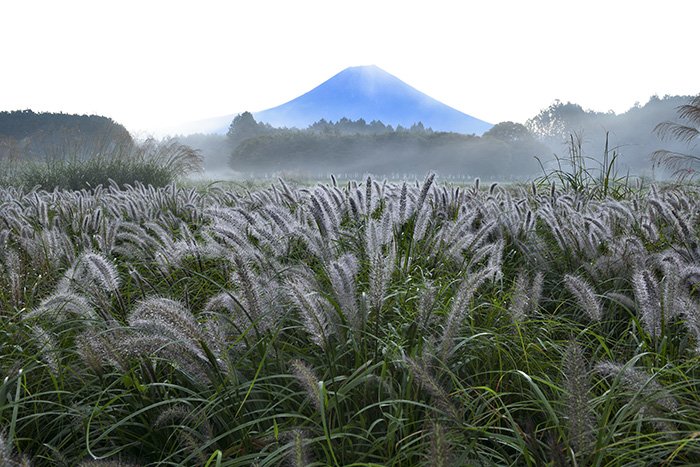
149	64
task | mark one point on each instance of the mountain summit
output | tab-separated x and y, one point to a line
370	93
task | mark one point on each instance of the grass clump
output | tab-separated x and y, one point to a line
576	174
359	324
149	163
88	174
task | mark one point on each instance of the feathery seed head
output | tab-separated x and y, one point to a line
62	304
315	311
342	274
299	456
646	293
580	417
585	296
638	381
439	395
308	380
169	315
48	348
440	449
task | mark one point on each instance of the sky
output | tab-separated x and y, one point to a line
151	64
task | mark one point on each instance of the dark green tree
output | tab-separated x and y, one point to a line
509	132
556	120
244	127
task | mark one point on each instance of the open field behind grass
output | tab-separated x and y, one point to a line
361	324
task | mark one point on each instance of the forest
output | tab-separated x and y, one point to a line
507	151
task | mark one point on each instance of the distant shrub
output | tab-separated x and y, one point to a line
77	175
151	163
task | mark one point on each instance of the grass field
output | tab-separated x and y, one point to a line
362	324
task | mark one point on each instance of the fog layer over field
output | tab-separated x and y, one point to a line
509	151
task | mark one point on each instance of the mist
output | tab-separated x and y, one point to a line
508	151
631	134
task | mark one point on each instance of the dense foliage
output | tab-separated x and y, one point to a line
368	324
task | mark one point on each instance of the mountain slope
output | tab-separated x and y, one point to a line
370	93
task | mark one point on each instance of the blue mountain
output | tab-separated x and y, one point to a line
370	93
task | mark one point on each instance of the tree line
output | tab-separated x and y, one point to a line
507	150
360	146
632	133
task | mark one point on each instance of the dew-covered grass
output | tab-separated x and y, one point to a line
362	323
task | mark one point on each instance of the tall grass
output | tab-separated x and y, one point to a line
365	324
598	178
151	162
